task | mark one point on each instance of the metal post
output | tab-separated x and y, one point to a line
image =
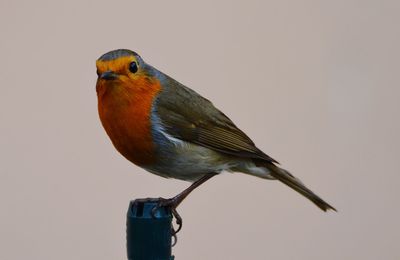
148	237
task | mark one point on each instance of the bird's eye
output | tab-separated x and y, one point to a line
133	67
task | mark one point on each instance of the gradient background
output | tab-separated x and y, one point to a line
314	83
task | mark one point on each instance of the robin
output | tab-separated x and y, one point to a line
170	130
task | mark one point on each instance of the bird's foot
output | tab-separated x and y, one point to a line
174	202
171	204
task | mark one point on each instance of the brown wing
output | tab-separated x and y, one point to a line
189	117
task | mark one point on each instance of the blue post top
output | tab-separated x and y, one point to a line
148	237
142	210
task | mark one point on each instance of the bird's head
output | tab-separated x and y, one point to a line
121	70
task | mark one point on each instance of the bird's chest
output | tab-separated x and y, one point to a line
128	124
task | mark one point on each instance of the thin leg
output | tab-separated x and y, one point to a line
174	202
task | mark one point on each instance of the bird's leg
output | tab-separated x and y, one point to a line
174	202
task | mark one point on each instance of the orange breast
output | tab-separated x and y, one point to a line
125	112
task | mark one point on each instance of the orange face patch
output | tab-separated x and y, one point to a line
124	106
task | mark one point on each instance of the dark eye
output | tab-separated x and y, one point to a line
133	67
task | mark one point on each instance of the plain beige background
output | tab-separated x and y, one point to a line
314	83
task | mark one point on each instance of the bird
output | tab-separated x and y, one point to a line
172	131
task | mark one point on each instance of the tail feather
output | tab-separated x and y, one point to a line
294	183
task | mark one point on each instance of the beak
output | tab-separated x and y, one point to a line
109	75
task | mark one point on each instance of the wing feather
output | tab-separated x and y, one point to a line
189	117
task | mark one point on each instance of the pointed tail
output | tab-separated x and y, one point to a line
294	183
